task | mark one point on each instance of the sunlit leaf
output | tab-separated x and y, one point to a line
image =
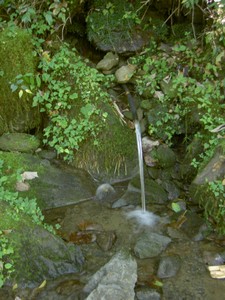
176	207
43	284
20	93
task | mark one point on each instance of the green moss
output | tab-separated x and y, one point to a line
114	155
103	23
16	57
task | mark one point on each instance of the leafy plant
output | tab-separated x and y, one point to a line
214	205
72	98
13	209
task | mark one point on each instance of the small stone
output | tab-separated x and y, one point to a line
106	240
109	61
22	186
150	245
125	73
169	266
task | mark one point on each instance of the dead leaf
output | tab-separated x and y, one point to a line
217	272
7	231
29	175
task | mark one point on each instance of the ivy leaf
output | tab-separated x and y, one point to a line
48	17
13	87
87	110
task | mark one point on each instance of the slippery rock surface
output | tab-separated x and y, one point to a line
43	255
115	280
150	244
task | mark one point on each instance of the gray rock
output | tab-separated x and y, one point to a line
42	255
169	266
150	244
147	294
21	142
124	73
109	61
105	193
214	170
154	192
115	280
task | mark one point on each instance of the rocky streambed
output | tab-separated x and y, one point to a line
120	256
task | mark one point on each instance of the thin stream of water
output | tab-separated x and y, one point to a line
140	160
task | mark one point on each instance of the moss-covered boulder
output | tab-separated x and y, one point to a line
38	254
84	127
111	26
16	57
21	142
208	188
115	157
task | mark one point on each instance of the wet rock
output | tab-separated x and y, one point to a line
115	280
195	227
165	156
154	192
47	154
150	244
171	188
121	202
169	266
106	240
109	61
105	193
213	258
21	142
42	255
125	73
147	294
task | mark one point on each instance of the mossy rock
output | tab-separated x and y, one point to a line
207	189
21	142
16	57
111	27
38	254
115	158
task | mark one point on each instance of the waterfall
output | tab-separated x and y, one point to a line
140	161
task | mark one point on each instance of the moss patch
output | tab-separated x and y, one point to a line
16	57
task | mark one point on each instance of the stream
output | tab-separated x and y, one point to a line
192	281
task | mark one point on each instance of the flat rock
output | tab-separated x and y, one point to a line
21	142
115	280
150	244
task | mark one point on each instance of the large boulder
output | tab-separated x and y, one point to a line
115	280
16	58
111	27
38	254
207	189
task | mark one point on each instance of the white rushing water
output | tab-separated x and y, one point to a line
140	160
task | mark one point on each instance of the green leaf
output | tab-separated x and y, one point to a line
13	87
176	207
73	96
8	266
48	17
